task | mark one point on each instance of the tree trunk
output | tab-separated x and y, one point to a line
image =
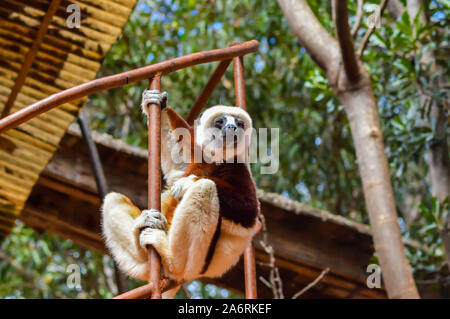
362	112
352	86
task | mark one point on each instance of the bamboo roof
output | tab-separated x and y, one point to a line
65	58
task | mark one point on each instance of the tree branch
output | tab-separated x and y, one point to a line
4	256
16	266
395	8
319	44
276	284
312	284
359	17
372	28
340	16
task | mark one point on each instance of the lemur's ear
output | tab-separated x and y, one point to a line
176	121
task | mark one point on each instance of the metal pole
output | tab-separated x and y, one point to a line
249	254
145	291
102	186
207	91
154	180
124	78
239	86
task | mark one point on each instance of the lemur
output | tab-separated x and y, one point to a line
209	209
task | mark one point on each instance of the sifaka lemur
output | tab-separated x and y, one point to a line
208	210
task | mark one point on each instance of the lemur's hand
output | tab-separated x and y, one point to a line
181	186
149	226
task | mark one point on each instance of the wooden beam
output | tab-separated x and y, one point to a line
29	58
306	241
72	218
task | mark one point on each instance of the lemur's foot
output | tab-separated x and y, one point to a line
150	226
181	186
153	97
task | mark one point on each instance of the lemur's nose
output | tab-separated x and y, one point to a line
229	127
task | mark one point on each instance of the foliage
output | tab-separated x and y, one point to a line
284	88
38	267
429	261
398	76
40	263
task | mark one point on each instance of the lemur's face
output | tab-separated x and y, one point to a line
229	128
221	131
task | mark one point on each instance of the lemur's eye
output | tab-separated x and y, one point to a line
240	123
218	122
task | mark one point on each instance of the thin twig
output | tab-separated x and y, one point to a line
371	29
265	282
359	17
312	284
15	265
276	284
109	274
345	39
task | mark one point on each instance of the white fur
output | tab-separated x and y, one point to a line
180	186
203	132
118	230
184	246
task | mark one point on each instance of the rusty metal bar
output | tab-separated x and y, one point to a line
249	253
250	272
238	63
142	292
102	186
29	58
207	91
124	78
154	180
155	71
145	291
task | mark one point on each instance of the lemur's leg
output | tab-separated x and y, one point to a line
184	248
118	219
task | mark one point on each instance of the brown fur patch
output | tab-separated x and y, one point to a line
237	193
134	210
212	246
176	120
235	188
168	209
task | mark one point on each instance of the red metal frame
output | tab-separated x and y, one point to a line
154	72
154	181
